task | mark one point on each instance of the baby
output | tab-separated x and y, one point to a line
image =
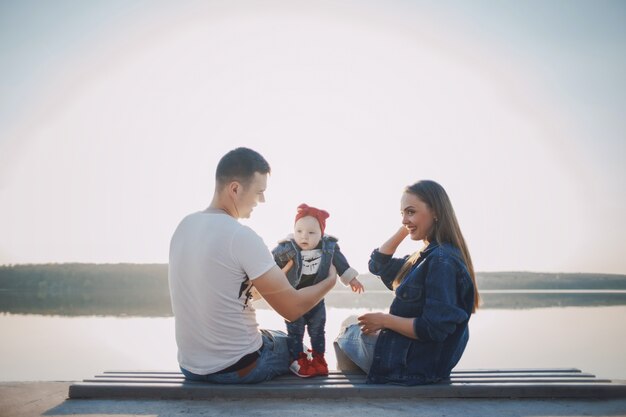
306	257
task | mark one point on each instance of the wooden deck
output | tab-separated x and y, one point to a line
502	383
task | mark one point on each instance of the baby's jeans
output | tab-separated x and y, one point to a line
315	322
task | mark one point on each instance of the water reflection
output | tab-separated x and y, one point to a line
157	303
39	347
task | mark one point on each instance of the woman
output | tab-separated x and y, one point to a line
425	332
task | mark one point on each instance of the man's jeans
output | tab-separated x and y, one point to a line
315	322
274	360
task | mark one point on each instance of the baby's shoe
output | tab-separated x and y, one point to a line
319	363
302	366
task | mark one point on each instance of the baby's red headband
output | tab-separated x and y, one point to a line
320	215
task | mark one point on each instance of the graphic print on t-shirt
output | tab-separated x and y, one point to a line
246	287
311	261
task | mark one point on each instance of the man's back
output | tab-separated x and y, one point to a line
211	257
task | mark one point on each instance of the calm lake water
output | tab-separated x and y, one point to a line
39	347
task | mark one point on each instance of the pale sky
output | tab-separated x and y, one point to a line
113	115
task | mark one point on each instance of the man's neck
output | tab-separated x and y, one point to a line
219	205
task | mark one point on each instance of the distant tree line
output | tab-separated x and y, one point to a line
520	280
85	289
76	277
142	290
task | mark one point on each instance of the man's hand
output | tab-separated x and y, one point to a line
287	266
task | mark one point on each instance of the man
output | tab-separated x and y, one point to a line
214	262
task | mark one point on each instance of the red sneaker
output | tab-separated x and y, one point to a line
319	364
302	366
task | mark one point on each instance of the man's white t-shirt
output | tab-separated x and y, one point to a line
212	260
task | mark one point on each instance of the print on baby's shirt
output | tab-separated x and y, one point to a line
311	261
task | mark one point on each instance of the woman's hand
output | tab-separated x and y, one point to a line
371	323
390	246
402	232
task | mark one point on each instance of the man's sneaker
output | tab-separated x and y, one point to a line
302	366
319	364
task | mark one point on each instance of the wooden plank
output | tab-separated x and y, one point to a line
337	375
516	370
180	376
327	381
336	372
341	376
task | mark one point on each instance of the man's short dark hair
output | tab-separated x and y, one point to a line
240	165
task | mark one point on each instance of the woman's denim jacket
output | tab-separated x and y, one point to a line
288	249
438	292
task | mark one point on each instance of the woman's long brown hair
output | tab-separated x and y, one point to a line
445	230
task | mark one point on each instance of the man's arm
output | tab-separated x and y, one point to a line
286	300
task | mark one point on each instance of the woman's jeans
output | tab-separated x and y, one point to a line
315	322
355	346
274	360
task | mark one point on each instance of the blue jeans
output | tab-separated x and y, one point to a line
274	360
315	322
357	346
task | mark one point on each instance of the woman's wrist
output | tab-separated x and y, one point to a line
399	236
390	246
402	232
386	318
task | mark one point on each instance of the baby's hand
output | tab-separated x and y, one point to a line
356	286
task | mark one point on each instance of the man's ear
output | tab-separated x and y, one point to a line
234	187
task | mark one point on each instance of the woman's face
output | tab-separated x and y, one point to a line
417	217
